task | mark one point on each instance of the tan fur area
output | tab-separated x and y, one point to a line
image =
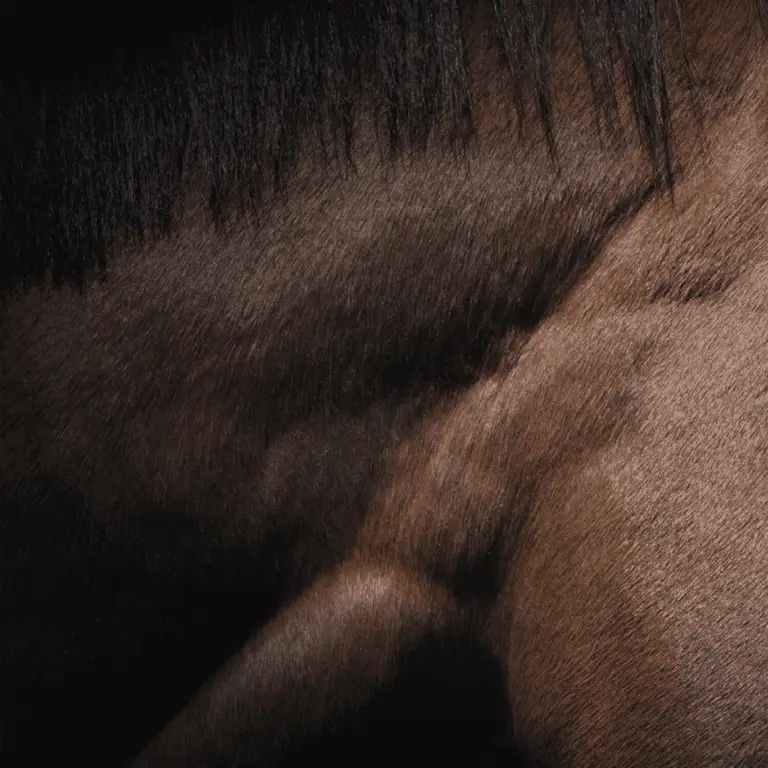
665	531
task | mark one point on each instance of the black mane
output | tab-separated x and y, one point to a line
103	153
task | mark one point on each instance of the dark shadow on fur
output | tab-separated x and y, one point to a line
102	649
449	700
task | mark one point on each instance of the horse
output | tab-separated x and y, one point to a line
371	363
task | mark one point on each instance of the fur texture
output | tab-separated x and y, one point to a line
387	380
106	156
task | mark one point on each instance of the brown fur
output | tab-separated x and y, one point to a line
582	497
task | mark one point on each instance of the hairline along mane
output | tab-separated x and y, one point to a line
83	167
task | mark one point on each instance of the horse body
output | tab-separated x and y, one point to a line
485	399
